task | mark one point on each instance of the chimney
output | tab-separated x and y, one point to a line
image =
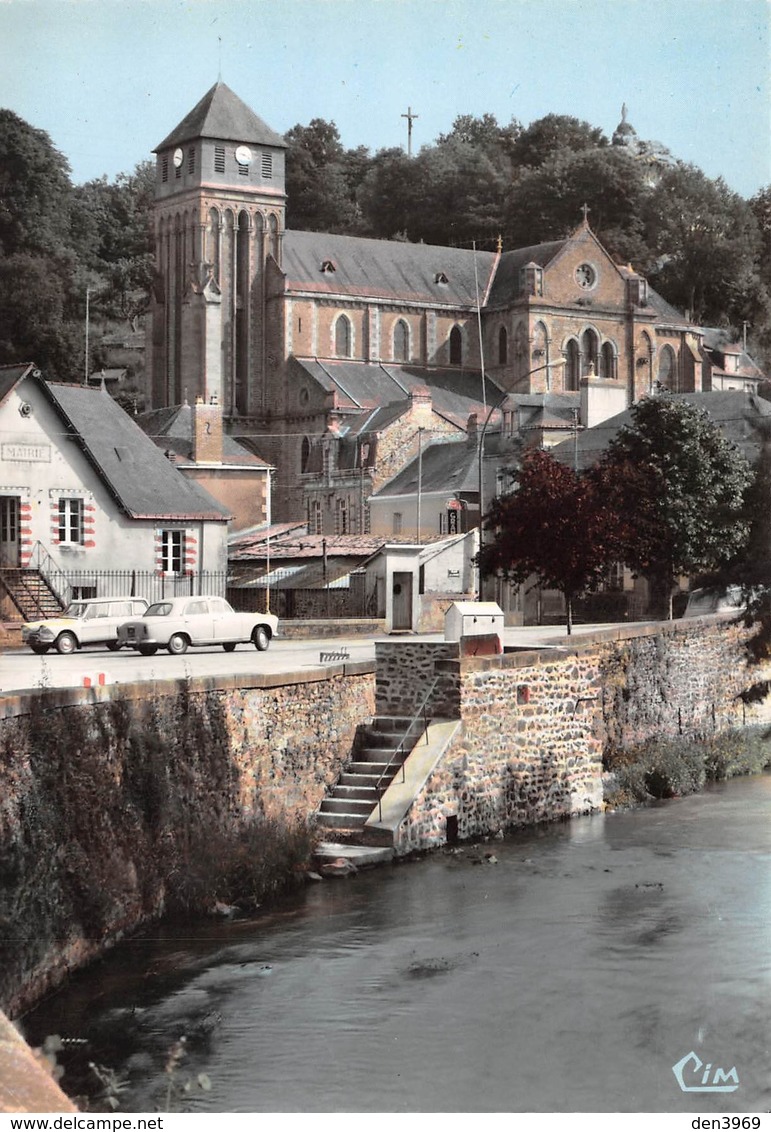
207	432
472	427
421	405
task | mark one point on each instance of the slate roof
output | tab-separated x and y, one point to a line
222	115
144	484
506	284
450	466
733	411
719	342
385	269
455	393
171	429
11	375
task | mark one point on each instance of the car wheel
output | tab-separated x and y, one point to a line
178	643
41	650
66	643
148	650
113	646
260	638
230	646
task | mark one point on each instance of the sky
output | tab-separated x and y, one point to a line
109	79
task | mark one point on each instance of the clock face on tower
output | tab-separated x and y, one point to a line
586	276
178	158
243	155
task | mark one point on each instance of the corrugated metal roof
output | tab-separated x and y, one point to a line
221	114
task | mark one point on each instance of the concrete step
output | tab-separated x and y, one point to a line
363	781
360	855
370	769
332	805
380	755
340	821
359	792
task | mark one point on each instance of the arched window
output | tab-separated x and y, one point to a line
668	369
573	367
401	341
608	362
456	346
343	337
305	451
503	346
590	351
213	243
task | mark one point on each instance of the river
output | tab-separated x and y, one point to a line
569	972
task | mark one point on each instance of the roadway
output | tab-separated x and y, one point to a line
21	669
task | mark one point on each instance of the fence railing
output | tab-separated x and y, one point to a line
70	585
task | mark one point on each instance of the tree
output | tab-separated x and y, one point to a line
708	246
554	134
320	180
683	484
35	190
555	525
545	203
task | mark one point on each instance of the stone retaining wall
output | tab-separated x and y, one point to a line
536	724
103	791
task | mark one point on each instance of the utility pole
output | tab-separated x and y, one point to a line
410	118
88	299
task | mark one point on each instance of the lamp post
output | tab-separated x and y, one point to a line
481	446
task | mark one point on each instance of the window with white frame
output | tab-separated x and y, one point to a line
172	551
71	514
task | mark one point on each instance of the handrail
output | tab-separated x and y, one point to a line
421	710
41	560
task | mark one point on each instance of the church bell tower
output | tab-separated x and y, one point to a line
219	211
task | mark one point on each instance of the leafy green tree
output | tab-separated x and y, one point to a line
460	196
672	470
545	203
556	526
497	143
708	246
35	190
555	134
321	180
35	326
389	193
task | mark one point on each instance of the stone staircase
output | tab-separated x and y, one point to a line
30	593
380	749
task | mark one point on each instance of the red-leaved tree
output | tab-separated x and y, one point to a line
557	525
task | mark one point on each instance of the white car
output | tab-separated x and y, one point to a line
92	621
180	622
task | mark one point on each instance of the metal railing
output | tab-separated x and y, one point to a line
51	572
400	750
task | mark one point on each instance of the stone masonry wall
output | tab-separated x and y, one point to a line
536	725
405	669
104	791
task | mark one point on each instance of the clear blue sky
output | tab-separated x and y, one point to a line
108	79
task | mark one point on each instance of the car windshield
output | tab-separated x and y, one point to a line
160	609
75	609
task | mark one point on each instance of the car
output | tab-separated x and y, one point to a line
180	622
90	621
715	600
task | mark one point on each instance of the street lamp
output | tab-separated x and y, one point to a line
480	449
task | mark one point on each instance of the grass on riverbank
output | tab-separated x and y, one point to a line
670	768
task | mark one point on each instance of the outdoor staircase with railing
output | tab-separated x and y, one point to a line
380	751
30	593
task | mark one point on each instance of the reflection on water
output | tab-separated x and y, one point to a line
569	974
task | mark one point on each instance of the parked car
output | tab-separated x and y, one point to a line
92	621
183	621
702	602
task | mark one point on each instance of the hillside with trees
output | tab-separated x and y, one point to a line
703	247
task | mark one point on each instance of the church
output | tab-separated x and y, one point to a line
315	344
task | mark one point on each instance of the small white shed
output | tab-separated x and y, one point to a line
469	619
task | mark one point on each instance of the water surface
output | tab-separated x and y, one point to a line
569	974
